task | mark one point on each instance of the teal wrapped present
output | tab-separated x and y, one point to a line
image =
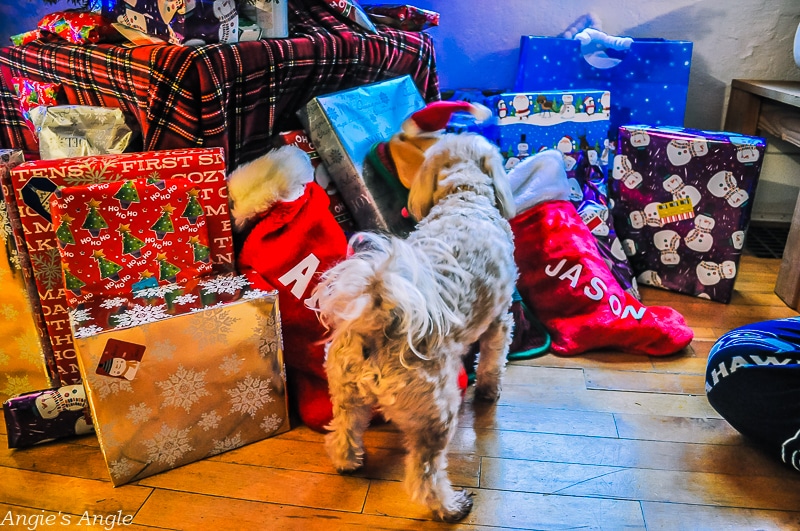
344	126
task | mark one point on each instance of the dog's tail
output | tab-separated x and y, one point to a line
395	288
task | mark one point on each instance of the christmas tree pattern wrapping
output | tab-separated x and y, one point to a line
40	416
33	183
206	375
26	358
113	237
682	205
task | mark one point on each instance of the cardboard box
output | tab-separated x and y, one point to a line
178	373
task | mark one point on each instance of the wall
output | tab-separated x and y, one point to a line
477	45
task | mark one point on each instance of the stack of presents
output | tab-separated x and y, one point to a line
169	294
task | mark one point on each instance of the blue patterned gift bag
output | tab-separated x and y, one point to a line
649	81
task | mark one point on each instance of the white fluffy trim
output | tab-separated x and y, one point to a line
539	178
280	175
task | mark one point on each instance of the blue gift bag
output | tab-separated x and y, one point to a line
648	82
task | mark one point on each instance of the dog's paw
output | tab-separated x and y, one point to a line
350	466
487	393
459	508
345	460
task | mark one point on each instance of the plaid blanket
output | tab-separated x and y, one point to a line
230	96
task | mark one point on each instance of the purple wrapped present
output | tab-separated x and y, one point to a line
682	204
42	416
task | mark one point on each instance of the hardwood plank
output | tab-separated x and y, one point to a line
182	510
741	315
380	463
672	516
609	401
67	494
545	420
681	365
517	510
660	297
555	378
756	492
638	484
537	476
630	453
231	480
676	429
621	360
15	517
648	382
57	458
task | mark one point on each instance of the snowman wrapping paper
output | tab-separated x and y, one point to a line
528	122
682	204
40	416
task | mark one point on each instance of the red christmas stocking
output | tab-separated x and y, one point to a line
290	238
567	284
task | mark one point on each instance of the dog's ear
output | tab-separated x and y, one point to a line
493	166
420	196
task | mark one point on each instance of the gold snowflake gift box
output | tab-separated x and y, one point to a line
181	372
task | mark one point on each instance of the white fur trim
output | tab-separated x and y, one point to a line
279	176
539	178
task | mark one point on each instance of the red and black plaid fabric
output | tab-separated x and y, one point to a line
230	96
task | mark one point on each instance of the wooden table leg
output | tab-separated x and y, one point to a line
742	113
742	117
787	286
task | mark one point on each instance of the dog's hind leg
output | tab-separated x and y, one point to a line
351	414
494	345
428	435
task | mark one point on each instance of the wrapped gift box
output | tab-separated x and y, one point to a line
572	122
41	416
178	373
343	127
113	237
682	205
35	182
27	341
178	21
337	205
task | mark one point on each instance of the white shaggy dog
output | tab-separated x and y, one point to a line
403	313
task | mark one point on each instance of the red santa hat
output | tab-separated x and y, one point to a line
399	158
434	117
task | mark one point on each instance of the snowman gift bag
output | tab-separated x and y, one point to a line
682	205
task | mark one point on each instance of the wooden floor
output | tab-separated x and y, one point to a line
601	441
